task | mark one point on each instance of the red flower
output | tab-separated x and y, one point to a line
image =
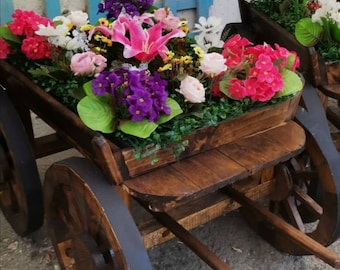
237	89
26	22
4	49
35	48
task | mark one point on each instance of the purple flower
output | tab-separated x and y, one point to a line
140	105
141	94
133	7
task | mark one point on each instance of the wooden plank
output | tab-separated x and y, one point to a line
49	144
274	146
264	218
201	211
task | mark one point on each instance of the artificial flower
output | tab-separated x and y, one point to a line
213	64
192	90
87	63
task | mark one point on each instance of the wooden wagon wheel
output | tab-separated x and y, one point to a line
89	225
312	201
20	187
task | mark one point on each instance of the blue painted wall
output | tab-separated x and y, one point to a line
6	9
53	8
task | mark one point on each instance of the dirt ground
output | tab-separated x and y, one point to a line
228	236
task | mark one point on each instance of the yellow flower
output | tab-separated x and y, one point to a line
106	41
169	55
86	27
199	52
186	59
183	25
165	67
103	21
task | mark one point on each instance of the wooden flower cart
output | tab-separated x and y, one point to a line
282	154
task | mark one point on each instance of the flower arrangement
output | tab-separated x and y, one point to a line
138	77
313	22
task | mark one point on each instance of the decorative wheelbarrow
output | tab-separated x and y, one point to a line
290	163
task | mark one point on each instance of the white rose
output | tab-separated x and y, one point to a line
78	18
213	64
192	90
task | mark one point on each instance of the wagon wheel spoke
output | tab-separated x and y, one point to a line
20	186
85	232
310	203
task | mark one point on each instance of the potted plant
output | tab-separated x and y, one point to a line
138	78
316	25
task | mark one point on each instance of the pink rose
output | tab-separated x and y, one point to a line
192	90
166	16
87	63
213	64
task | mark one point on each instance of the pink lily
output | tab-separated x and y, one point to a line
143	44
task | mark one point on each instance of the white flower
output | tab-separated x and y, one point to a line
206	41
210	25
62	19
50	31
192	90
78	18
209	33
213	64
329	9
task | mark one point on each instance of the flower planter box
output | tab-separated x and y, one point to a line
313	67
215	136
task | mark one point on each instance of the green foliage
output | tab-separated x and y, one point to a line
8	36
307	32
291	83
96	114
62	88
284	12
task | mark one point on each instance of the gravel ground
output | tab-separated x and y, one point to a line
228	236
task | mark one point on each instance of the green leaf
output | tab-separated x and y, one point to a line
175	110
44	70
292	83
96	114
307	32
8	36
290	61
335	32
141	129
88	88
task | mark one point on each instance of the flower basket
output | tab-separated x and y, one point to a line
313	66
212	137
